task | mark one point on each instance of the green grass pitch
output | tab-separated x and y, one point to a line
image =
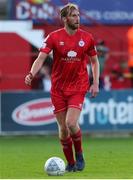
24	157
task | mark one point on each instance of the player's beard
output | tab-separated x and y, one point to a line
73	26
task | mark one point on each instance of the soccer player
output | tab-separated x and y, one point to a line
71	48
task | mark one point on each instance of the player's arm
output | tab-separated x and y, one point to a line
94	89
36	66
95	69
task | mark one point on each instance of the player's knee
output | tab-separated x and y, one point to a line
64	129
63	132
71	125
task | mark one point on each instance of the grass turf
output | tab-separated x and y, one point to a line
24	157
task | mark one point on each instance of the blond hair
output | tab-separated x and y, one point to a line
67	9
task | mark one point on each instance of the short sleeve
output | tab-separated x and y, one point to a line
47	45
92	48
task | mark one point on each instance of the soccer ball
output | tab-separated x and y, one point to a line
54	166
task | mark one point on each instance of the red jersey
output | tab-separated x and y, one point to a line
70	56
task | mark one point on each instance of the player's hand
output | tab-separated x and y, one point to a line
28	79
94	90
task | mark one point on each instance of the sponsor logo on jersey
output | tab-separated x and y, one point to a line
81	43
71	57
71	54
34	113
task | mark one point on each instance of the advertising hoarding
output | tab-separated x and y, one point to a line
92	11
33	111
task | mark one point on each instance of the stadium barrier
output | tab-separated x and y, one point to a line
32	112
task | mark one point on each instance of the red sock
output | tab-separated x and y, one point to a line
67	149
77	141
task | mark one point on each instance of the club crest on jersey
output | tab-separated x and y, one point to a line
81	43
